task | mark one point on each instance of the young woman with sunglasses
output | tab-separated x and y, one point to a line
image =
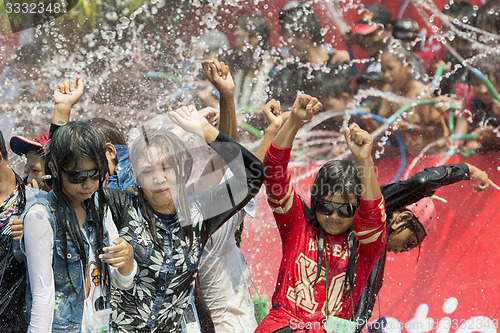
73	252
410	214
312	282
174	226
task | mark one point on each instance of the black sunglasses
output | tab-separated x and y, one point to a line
78	177
345	210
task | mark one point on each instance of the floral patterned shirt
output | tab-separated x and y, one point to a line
168	267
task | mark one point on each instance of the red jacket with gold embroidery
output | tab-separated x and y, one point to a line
294	291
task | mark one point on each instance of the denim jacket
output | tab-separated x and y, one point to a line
123	176
68	307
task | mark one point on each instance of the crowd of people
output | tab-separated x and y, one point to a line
109	233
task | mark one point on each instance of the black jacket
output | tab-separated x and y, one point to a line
397	196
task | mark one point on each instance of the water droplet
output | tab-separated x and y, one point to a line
111	16
108	35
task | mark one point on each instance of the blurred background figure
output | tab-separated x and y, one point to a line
488	19
32	149
311	63
407	31
251	77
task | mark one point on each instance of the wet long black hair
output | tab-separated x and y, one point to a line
255	24
72	142
179	160
334	176
298	18
3	147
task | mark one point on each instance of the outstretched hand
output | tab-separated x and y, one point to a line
218	74
482	176
65	96
211	114
189	119
359	142
119	255
272	112
68	94
445	103
305	107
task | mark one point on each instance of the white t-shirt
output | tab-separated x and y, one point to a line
224	280
39	246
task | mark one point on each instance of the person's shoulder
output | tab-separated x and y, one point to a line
417	88
33	192
34	196
38	211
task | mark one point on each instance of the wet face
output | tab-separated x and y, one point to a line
333	223
34	166
375	41
297	44
336	104
482	92
242	40
157	180
395	73
77	193
406	239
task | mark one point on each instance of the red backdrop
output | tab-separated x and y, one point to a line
456	275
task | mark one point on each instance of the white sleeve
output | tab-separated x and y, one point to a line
117	279
39	244
220	242
110	226
122	281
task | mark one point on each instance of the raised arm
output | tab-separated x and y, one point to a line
275	119
218	74
425	183
303	109
220	203
360	143
280	192
65	96
369	221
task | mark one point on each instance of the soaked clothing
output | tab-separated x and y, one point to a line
225	281
12	270
168	267
397	196
295	298
62	295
